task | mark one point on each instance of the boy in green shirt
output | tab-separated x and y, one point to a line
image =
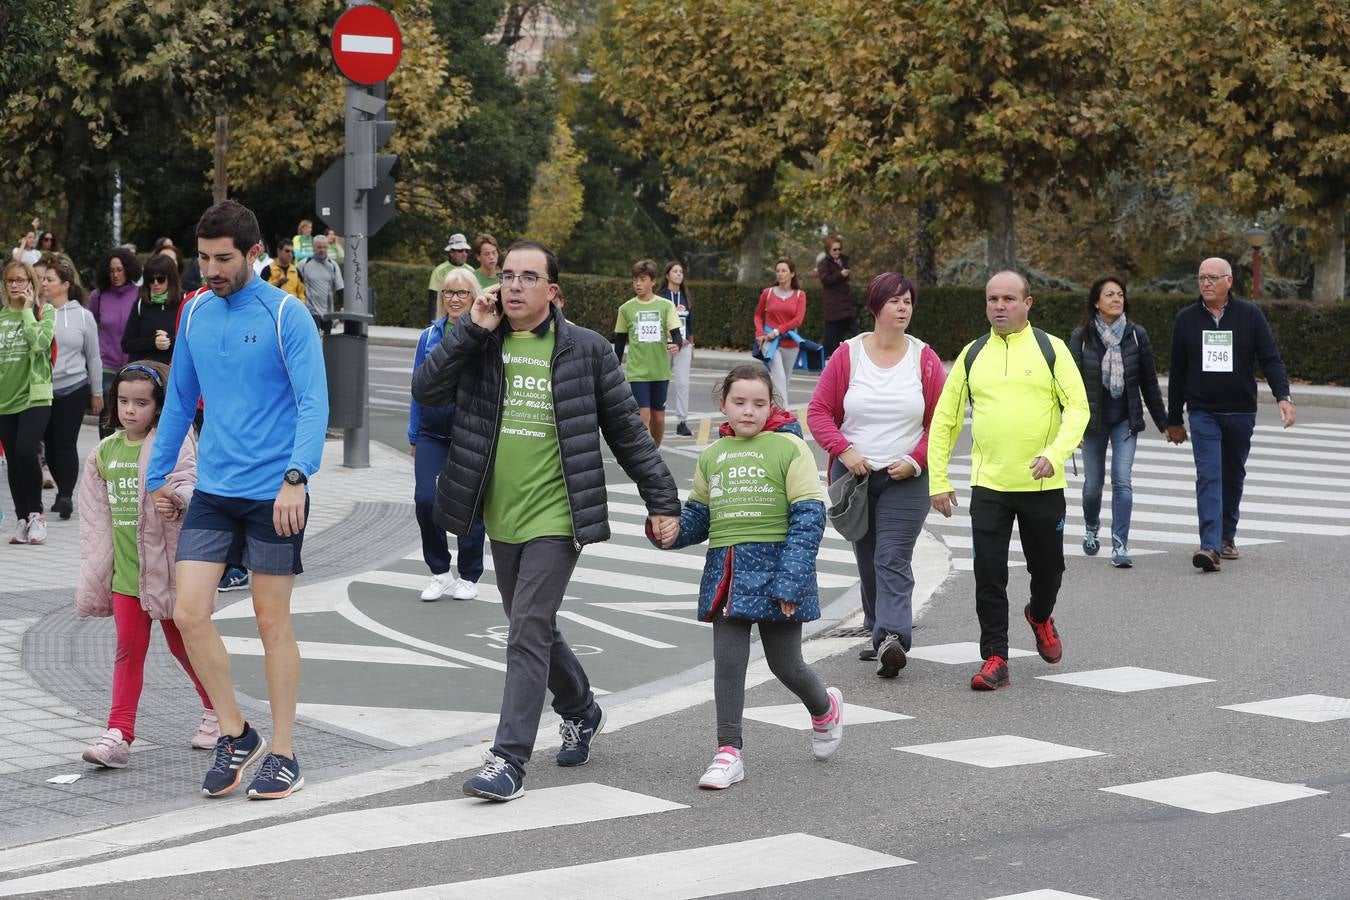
650	327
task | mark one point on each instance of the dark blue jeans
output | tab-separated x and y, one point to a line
1123	443
427	464
1220	443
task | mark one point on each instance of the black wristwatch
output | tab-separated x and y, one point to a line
295	476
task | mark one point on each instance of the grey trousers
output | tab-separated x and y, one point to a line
898	511
531	578
731	656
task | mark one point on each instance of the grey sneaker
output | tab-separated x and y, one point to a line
1090	543
110	751
890	657
1120	555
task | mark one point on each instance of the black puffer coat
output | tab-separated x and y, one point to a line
1141	376
590	396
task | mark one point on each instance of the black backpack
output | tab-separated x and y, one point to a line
1042	340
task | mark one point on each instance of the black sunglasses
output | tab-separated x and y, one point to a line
157	278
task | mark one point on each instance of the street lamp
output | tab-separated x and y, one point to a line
1256	238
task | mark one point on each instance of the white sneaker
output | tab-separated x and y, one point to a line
465	590
20	532
728	767
37	529
826	736
438	586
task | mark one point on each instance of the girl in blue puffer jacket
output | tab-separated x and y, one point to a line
757	500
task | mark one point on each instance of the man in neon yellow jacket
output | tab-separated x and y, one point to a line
1028	413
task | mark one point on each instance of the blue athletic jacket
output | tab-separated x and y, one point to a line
255	358
434	422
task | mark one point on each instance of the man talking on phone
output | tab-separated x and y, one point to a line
533	393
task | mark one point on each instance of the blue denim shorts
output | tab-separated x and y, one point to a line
230	529
651	394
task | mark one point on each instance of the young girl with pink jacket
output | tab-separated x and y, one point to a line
128	552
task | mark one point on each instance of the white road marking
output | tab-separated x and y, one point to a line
957	654
613	631
359	653
716	870
404	727
359	831
796	716
999	751
1301	708
657	610
1125	679
1214	792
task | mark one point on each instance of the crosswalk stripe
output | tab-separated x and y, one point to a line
684	874
965	542
359	831
613	631
362	653
688	611
1247	525
1287	476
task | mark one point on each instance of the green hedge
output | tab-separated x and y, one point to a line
1313	339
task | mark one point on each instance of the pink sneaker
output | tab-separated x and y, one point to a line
728	767
827	732
208	732
110	751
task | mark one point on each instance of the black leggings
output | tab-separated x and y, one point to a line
62	437
20	434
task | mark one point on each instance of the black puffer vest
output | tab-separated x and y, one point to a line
589	396
1141	376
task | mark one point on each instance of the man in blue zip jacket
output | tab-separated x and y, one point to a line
1216	343
533	393
251	351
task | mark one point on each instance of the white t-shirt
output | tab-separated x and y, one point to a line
883	407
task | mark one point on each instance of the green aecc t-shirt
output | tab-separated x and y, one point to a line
119	464
749	483
526	494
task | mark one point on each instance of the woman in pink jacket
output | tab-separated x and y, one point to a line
127	553
870	412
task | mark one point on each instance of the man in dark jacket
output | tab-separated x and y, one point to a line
532	393
1216	343
841	316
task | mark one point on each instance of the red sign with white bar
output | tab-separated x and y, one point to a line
366	44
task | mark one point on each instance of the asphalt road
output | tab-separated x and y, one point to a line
1158	792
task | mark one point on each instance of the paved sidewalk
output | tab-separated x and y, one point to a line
55	669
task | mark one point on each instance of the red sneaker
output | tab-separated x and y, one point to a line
992	675
1048	644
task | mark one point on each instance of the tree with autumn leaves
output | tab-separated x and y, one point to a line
981	108
1253	101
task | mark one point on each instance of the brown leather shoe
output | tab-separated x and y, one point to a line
1229	550
1205	560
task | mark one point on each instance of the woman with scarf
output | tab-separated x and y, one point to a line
150	330
1116	361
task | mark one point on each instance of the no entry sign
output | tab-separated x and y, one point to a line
366	44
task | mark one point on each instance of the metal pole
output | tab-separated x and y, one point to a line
1256	273
356	274
220	187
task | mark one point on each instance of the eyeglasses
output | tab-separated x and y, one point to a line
16	281
156	279
526	279
1210	279
457	294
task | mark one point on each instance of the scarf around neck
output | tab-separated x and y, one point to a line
1113	366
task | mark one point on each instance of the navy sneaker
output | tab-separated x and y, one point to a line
279	777
233	756
498	780
577	735
234	579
